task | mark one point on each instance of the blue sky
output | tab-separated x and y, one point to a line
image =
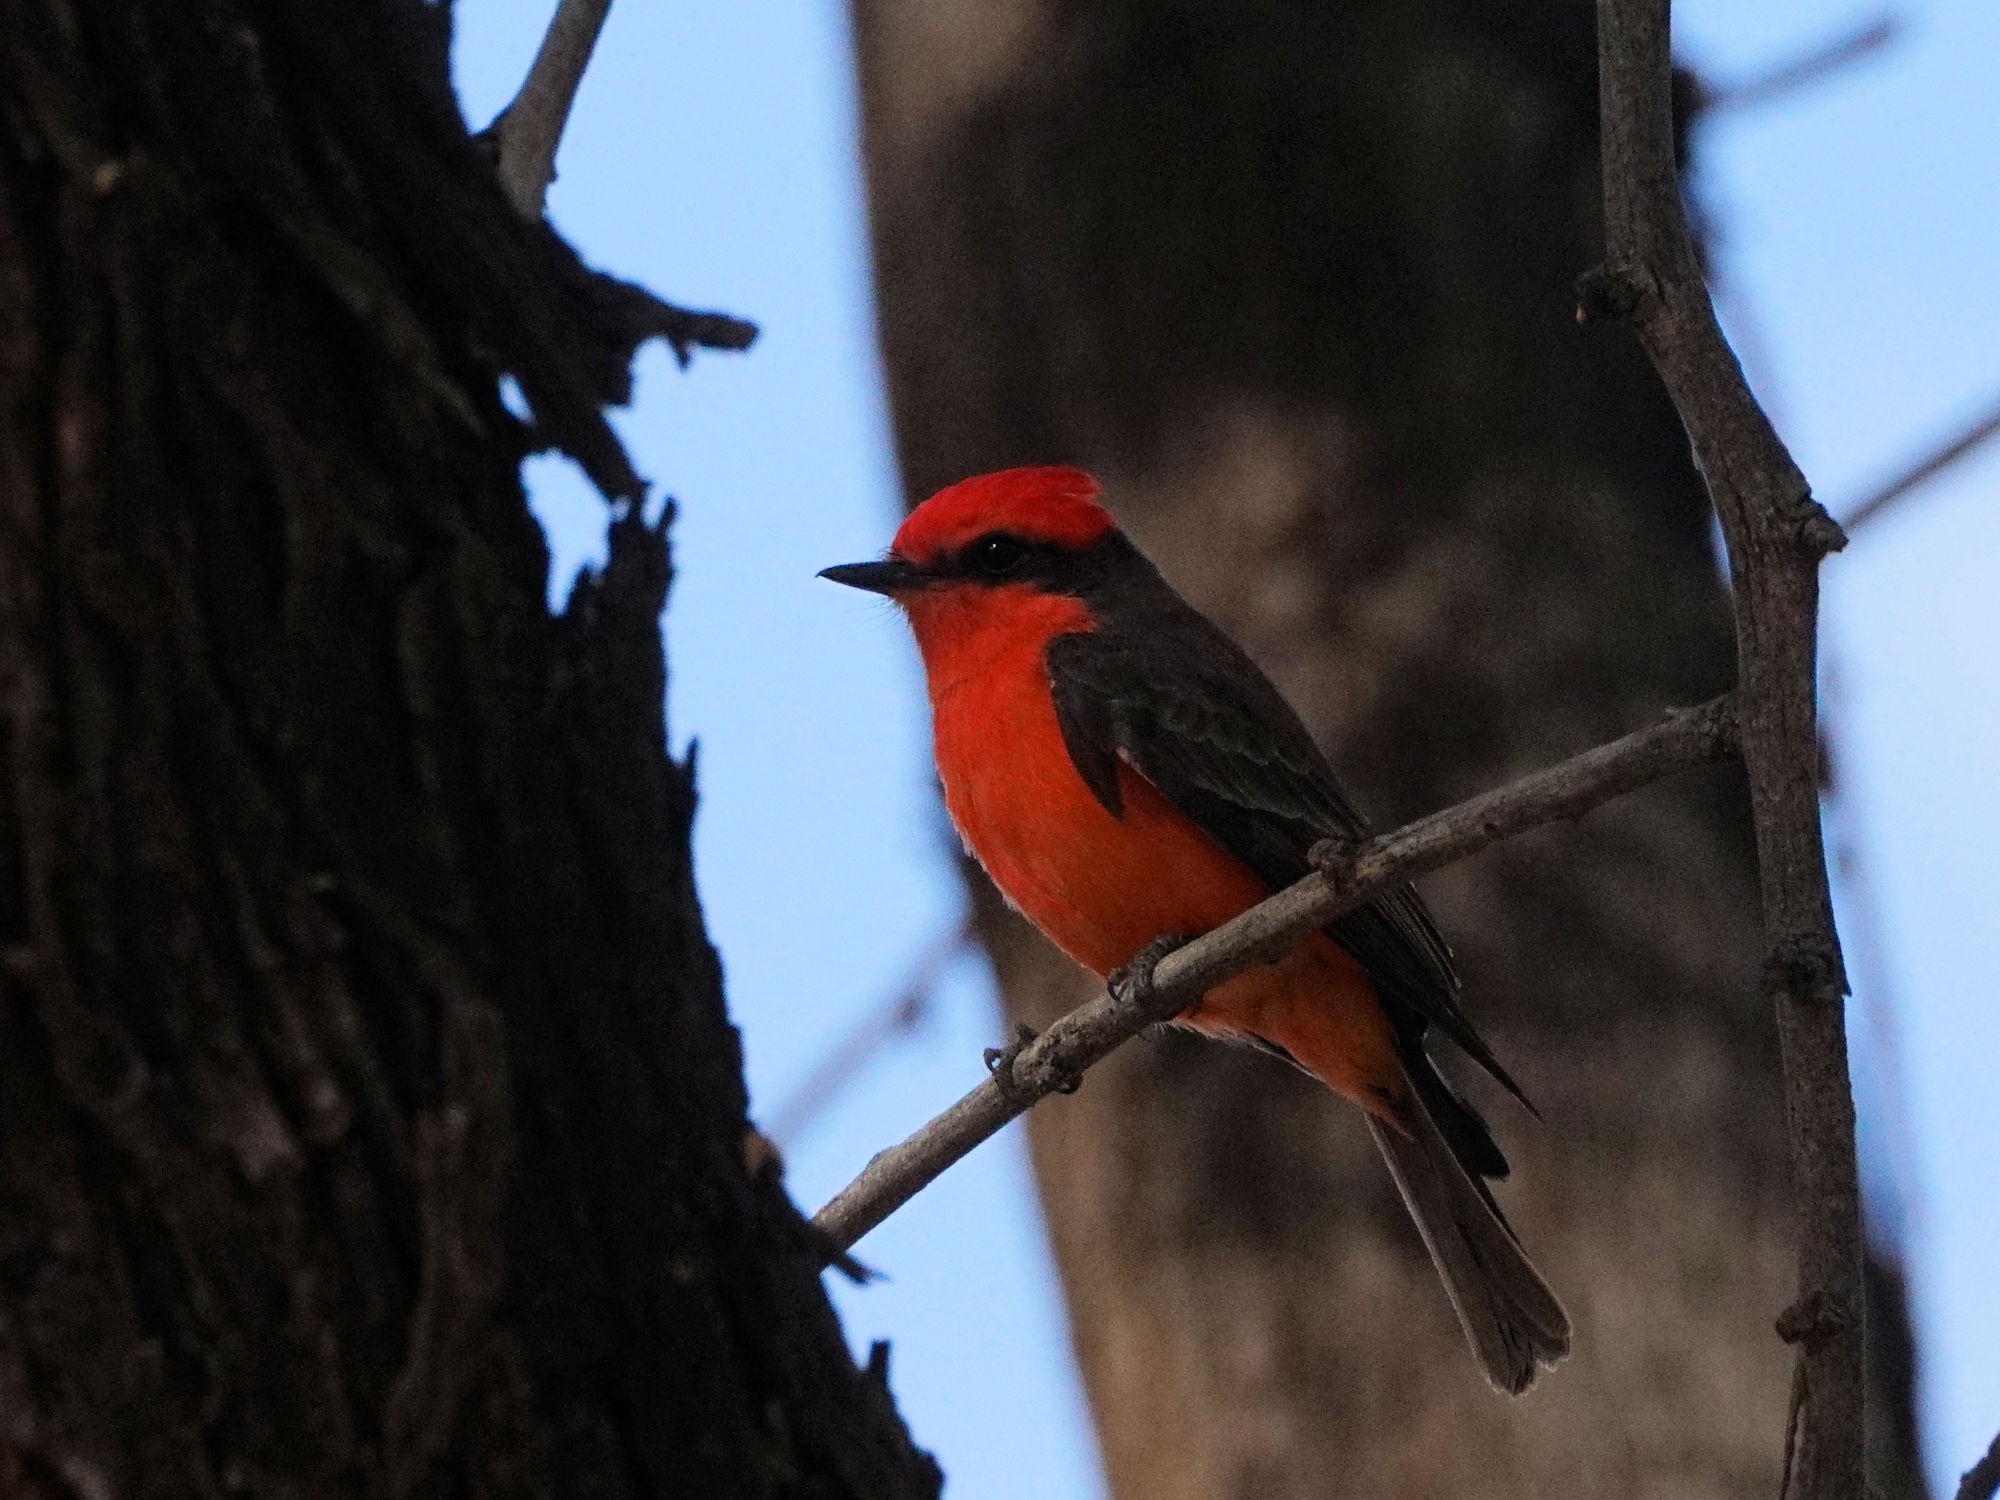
712	157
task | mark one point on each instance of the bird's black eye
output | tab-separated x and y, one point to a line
995	556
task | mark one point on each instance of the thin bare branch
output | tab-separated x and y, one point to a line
1814	67
1055	1061
898	1016
1967	440
1982	1480
1776	535
524	139
530	129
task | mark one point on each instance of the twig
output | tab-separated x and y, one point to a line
1801	72
1982	1480
1053	1062
898	1016
529	129
1924	470
1793	1407
523	139
1776	534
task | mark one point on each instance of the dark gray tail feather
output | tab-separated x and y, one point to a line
1509	1315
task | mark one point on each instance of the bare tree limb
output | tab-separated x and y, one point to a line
1982	1480
523	140
1776	535
1813	67
1055	1061
529	129
1967	440
898	1016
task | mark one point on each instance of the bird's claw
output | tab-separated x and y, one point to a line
1333	857
1000	1060
1000	1064
1133	979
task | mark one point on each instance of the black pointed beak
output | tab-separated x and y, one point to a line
892	576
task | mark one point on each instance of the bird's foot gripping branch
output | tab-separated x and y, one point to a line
1134	981
1348	875
1134	991
1000	1064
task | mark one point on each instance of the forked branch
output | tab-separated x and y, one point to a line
530	129
1776	534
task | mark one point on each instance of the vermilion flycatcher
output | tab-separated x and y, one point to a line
1123	771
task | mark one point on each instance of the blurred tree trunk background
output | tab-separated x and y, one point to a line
1296	281
370	1122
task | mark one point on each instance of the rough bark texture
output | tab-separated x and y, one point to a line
369	1118
1296	281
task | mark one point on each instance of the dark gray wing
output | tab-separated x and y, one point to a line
1193	714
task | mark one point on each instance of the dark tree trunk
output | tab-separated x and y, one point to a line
1296	280
369	1117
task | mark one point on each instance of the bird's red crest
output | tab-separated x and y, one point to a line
1052	504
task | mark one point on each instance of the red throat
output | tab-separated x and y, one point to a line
966	631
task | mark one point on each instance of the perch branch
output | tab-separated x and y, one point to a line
1776	535
1349	876
530	128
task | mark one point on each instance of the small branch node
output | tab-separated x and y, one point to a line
1723	726
827	1249
761	1155
1000	1062
1065	1080
1610	293
1806	967
1813	1319
1049	1071
878	1363
1819	533
1713	722
1335	858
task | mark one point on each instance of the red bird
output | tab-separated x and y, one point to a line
1122	770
